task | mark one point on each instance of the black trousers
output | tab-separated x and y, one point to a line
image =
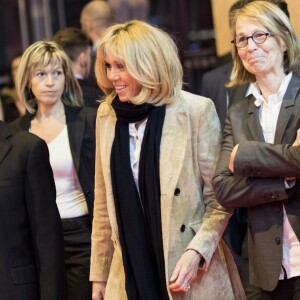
287	289
77	243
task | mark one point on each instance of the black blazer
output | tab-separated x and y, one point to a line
258	180
31	248
90	93
9	108
213	87
81	129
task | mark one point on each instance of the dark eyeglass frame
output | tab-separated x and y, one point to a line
262	33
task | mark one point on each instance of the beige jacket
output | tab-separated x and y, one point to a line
191	216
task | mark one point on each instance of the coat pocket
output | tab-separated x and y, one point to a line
24	274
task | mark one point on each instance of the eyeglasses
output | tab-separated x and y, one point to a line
258	37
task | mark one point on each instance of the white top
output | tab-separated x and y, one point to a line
268	115
69	196
135	144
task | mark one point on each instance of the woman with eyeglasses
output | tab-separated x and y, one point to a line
256	169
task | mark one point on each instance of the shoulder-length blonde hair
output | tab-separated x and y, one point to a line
274	20
150	57
39	55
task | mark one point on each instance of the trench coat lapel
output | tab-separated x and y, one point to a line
107	131
254	123
172	153
285	114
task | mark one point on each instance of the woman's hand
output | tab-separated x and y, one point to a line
232	156
297	140
185	271
98	290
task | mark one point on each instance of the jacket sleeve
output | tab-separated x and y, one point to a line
241	189
45	223
267	160
215	218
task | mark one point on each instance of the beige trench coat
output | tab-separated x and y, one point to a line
191	216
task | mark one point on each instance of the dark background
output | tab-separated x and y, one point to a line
188	21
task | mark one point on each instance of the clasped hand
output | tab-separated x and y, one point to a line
235	149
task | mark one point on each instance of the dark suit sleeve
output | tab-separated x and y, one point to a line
240	190
45	223
267	160
206	86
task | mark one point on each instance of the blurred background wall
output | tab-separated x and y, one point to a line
199	27
190	22
220	21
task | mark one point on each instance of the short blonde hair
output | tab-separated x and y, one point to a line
274	20
149	55
39	55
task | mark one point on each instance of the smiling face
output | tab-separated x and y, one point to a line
48	83
259	59
125	85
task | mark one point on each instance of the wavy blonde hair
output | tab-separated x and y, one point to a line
150	57
39	55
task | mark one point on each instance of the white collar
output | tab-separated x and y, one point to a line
255	90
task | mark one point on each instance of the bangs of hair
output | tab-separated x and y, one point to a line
115	49
149	55
46	58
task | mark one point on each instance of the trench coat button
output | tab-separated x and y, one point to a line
182	228
277	241
177	192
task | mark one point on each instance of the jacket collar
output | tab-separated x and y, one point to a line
75	126
284	115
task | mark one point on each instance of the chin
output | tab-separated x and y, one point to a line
123	99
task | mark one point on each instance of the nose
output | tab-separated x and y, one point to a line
251	44
113	74
49	80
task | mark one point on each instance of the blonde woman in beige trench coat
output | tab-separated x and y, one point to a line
197	264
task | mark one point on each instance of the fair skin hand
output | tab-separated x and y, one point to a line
98	292
232	157
185	271
297	140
